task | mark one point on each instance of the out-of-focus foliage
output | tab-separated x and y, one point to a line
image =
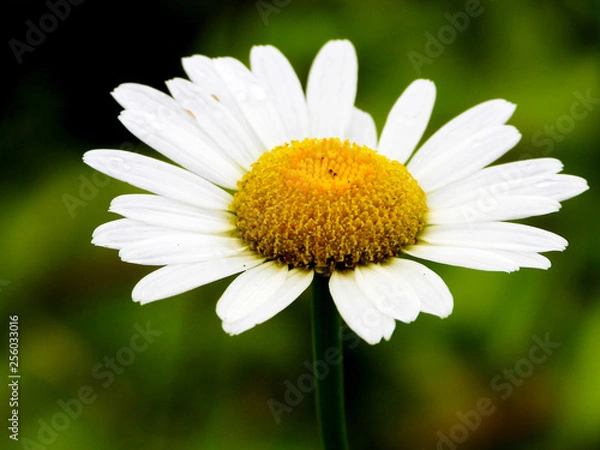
193	386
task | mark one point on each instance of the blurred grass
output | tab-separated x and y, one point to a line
195	387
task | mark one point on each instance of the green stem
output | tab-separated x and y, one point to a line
328	367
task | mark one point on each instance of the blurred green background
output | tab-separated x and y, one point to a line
193	386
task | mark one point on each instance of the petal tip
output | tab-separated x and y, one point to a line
424	82
120	93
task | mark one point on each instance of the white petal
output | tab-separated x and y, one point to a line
496	181
138	97
159	121
495	235
357	310
466	157
119	233
217	122
388	290
435	296
255	102
480	259
472	258
216	94
505	192
331	89
362	129
251	302
252	286
559	187
407	121
158	177
527	259
165	212
485	115
488	208
181	248
175	279
274	71
185	144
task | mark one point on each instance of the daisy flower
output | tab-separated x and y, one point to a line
284	186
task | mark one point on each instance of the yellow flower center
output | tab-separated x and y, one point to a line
328	205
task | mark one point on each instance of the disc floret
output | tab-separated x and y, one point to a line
328	205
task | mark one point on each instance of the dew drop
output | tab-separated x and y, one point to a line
258	92
117	163
155	125
241	96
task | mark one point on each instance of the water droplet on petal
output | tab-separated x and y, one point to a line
118	164
241	96
258	92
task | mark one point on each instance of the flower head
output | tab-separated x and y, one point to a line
280	185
